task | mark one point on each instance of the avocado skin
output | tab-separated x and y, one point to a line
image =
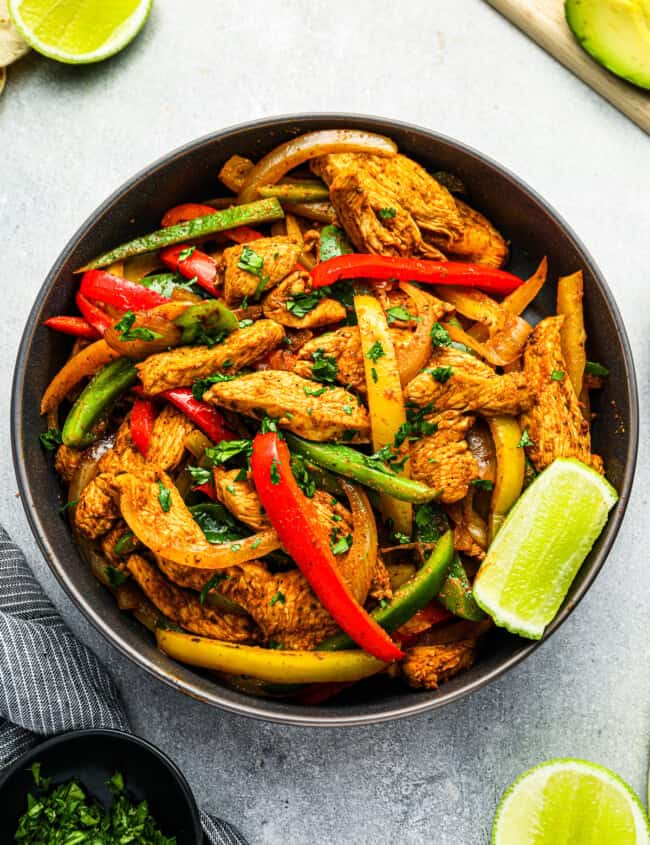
616	33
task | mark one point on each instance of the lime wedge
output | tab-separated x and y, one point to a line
545	538
570	802
79	31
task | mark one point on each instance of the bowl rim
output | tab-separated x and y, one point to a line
257	709
32	754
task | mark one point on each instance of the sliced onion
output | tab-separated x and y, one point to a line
417	353
165	335
141	508
292	153
358	566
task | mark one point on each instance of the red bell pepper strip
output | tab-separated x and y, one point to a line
143	416
184	212
243	234
302	535
203	415
76	326
113	290
198	265
93	314
383	267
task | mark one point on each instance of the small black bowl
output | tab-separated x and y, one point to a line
189	174
93	756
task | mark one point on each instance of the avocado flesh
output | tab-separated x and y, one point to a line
616	33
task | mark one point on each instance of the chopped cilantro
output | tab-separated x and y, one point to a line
124	326
274	472
376	351
341	545
125	544
594	369
201	385
226	449
399	313
278	597
268	424
71	504
440	335
300	304
430	523
483	483
441	374
164	497
216	579
217	523
115	576
401	538
50	439
302	476
253	263
387	213
324	368
557	375
373	373
348	410
200	475
243	324
314	392
524	440
274	644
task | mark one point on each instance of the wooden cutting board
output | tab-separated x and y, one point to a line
544	22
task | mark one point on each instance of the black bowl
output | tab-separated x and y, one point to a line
189	173
93	756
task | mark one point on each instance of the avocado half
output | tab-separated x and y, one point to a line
616	33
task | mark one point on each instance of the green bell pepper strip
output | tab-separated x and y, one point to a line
261	211
209	317
307	190
412	596
456	594
333	242
105	386
352	464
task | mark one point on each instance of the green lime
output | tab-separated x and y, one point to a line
541	545
79	31
570	802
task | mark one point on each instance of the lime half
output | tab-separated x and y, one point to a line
541	545
570	802
79	31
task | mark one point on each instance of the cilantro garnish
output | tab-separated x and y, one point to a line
274	472
376	351
324	368
557	375
124	326
201	385
483	483
278	597
594	369
387	213
200	475
440	335
115	576
399	313
524	440
50	439
441	374
226	449
300	304
164	497
184	254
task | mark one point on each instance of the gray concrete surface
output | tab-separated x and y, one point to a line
69	136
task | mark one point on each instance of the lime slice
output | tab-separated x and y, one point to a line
545	538
570	802
79	31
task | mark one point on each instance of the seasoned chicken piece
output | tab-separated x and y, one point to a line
240	497
380	587
344	345
66	461
123	456
290	399
108	542
428	666
273	259
282	302
443	459
184	607
479	243
97	510
181	367
555	422
457	381
386	203
463	540
282	605
167	444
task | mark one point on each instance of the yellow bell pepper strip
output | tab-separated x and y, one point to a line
510	467
570	290
517	301
274	665
109	383
305	540
385	399
349	463
262	211
296	151
411	597
85	363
